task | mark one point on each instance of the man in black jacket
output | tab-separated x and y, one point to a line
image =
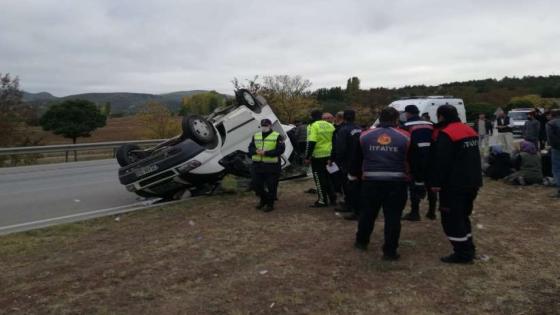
456	175
265	150
420	142
347	138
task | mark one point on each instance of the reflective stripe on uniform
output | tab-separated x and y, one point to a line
418	122
424	144
385	174
460	239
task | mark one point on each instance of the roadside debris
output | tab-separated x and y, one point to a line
76	200
191	222
118	219
479	226
263	272
272	305
484	257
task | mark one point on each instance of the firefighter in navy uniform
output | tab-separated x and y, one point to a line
347	138
265	150
381	159
456	174
420	142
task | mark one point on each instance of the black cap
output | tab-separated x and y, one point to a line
449	113
316	114
266	122
412	109
349	115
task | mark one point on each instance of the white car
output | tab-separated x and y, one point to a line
209	148
517	119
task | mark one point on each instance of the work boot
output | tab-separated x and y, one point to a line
343	208
456	259
260	205
411	217
431	215
360	246
390	257
350	216
268	208
318	204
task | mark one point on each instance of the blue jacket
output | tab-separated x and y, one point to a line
382	155
420	142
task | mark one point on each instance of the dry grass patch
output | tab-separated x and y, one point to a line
219	255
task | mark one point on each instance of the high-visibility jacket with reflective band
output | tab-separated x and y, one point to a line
266	144
321	132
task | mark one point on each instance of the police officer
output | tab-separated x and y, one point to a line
265	150
346	139
420	142
381	159
457	176
319	146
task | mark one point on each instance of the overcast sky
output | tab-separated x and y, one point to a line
68	47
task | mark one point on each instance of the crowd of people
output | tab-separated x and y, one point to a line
405	157
534	159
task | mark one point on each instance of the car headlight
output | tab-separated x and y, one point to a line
188	166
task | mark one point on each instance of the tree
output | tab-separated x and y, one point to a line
106	109
288	96
352	89
474	109
73	119
202	103
529	101
159	120
10	104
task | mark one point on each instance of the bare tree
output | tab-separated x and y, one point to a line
10	102
159	120
289	96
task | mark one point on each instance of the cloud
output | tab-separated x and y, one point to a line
67	47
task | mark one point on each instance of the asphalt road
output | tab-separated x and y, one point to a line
35	196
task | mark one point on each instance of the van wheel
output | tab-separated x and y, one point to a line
244	97
199	129
127	154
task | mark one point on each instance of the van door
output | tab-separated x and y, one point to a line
431	108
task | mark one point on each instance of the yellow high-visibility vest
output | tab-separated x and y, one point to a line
266	144
321	132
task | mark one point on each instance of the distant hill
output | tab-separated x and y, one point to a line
121	102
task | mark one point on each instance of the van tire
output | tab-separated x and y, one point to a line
125	154
199	129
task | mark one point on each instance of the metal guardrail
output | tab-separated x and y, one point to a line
74	147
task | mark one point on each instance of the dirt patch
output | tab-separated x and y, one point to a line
219	255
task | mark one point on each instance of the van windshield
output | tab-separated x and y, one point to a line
518	115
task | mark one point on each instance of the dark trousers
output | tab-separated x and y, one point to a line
417	193
432	200
456	208
391	196
325	191
338	180
265	186
352	195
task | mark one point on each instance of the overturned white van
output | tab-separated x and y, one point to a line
430	104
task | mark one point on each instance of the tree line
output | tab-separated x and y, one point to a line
291	97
